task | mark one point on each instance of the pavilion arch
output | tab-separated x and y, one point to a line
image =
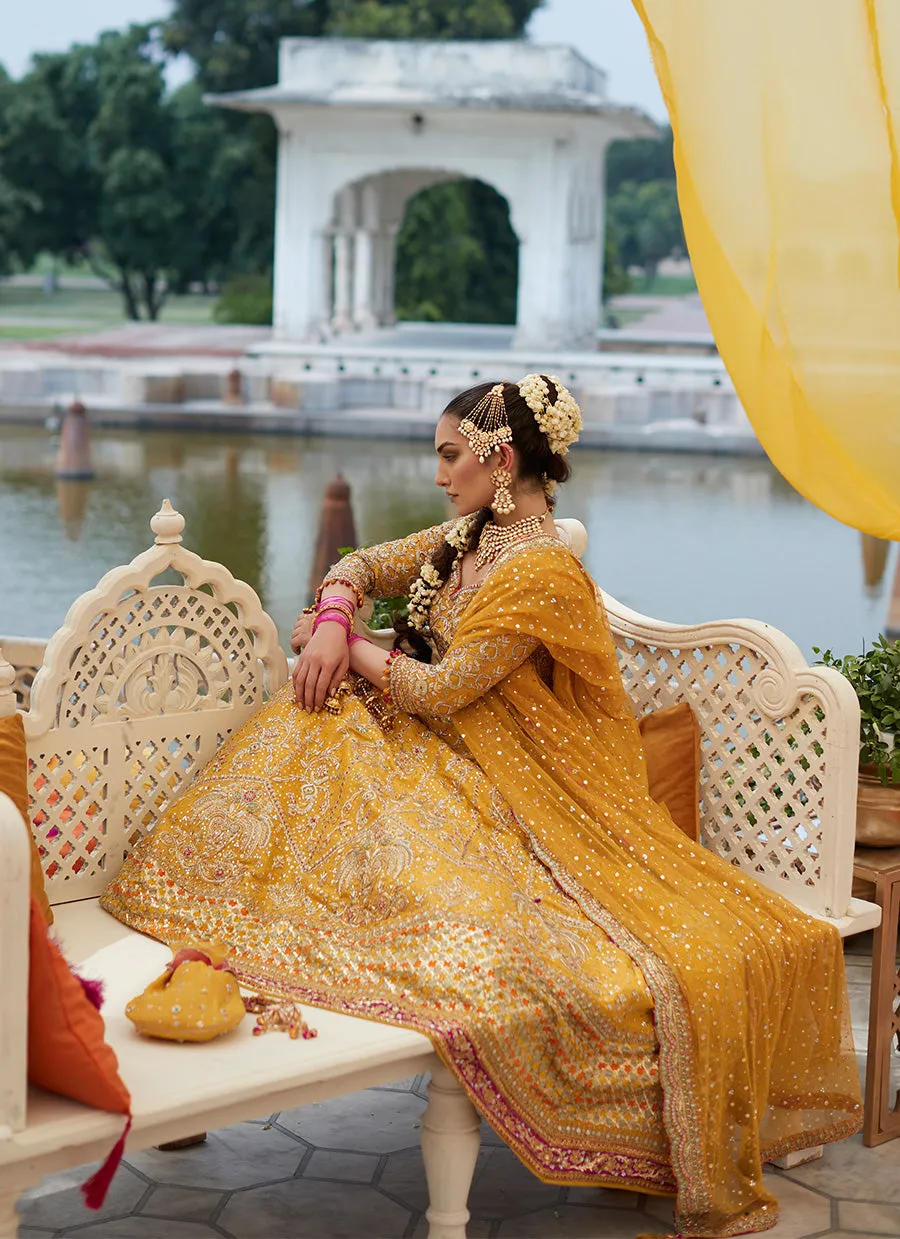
360	243
365	123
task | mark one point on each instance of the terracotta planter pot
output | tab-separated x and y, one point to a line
877	811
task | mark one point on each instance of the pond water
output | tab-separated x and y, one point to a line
683	538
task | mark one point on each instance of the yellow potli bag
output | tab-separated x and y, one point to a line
196	999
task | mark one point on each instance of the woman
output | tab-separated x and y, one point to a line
467	846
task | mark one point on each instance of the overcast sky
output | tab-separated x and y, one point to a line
608	32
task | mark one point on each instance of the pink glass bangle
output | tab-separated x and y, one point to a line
332	617
336	604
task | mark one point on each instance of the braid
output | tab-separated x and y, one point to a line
408	638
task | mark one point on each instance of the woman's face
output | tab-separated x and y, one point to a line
460	474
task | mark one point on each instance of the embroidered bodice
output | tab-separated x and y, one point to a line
454	678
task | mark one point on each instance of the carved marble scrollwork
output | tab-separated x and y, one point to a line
161	673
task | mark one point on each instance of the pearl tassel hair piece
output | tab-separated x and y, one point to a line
487	427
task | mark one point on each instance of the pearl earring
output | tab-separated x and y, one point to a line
502	503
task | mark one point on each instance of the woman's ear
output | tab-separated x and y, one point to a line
505	458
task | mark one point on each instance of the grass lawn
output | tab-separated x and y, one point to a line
27	313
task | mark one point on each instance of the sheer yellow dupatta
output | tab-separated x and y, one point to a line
750	997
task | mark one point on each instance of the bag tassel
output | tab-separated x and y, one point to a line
95	1189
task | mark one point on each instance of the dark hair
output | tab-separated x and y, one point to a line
536	464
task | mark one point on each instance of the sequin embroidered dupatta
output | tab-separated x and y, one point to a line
750	996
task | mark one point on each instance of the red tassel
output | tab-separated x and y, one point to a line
94	1191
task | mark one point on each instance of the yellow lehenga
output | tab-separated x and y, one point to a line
483	863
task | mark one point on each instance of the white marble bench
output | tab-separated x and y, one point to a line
169	654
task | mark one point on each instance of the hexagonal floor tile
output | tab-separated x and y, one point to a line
239	1156
142	1228
376	1121
575	1222
338	1164
503	1188
311	1209
849	1171
862	1216
189	1204
57	1201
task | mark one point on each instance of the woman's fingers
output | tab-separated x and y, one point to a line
300	672
310	688
317	676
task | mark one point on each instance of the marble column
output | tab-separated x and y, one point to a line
343	282
363	310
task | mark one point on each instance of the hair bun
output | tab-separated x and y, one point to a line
559	419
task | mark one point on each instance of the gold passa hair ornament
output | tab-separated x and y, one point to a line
487	427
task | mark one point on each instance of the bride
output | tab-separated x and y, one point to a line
457	836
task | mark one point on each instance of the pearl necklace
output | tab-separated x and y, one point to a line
495	539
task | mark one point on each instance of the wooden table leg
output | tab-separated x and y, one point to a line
882	1119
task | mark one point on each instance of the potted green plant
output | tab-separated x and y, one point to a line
875	677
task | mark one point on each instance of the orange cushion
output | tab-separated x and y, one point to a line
14	781
67	1050
671	740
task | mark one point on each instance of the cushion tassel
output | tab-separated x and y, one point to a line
95	1189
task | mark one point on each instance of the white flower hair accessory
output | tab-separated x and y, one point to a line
427	584
560	422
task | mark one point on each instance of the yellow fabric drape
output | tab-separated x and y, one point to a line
750	996
786	118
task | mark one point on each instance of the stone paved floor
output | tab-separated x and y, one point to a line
351	1169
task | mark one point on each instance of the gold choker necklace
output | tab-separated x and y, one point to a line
496	538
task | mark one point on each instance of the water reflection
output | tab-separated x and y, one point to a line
686	538
72	498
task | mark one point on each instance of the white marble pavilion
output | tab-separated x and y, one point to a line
365	125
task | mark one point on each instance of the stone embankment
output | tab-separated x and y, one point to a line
392	387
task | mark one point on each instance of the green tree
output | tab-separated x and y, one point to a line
639	160
426	19
144	186
211	166
615	278
16	205
89	132
457	256
44	151
130	143
644	223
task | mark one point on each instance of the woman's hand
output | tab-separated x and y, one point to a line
320	668
303	631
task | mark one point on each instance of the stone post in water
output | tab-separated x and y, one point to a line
336	529
74	457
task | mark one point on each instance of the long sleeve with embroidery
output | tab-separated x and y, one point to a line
463	675
389	569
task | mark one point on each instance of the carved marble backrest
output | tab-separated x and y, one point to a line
779	747
149	673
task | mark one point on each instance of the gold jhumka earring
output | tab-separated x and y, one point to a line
486	428
502	503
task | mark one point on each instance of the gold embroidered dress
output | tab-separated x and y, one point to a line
487	867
